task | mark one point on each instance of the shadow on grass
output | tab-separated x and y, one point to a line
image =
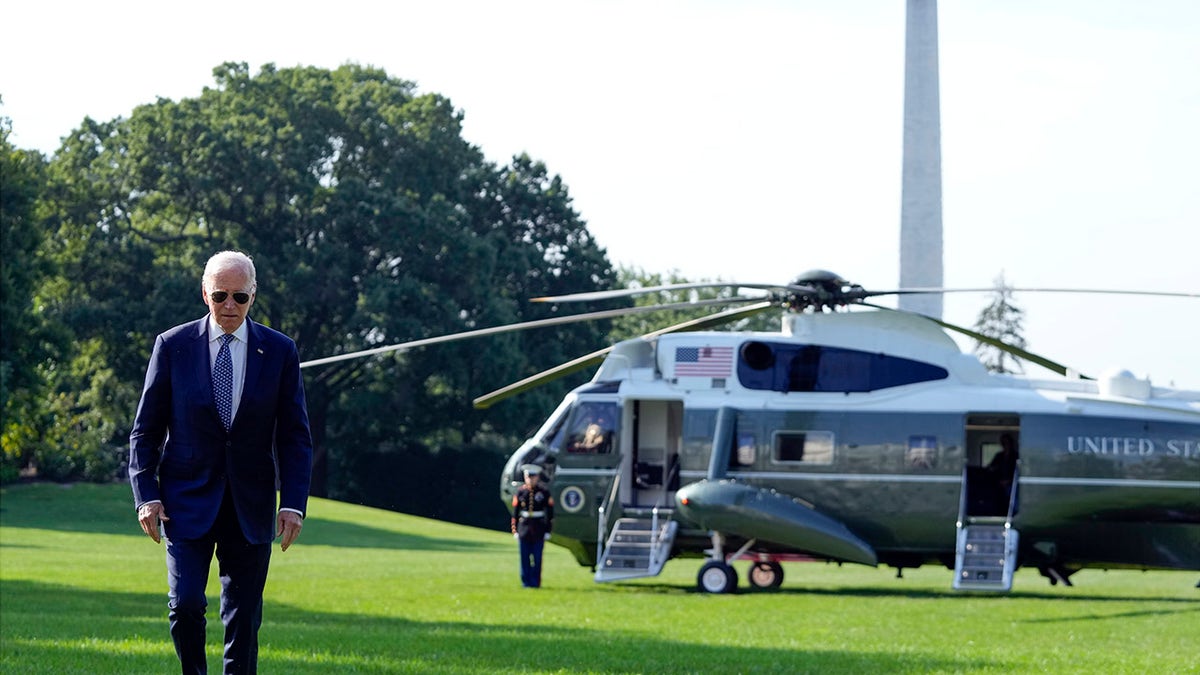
51	628
911	593
1118	615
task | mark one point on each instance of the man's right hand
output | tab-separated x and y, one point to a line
148	516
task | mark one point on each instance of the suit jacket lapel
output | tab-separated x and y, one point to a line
202	359
255	355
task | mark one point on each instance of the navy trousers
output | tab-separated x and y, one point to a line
243	570
531	561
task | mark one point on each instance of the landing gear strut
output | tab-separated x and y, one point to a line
717	575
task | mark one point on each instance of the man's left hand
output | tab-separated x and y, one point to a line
288	526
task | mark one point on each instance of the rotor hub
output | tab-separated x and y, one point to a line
821	290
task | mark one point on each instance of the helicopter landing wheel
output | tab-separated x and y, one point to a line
717	577
766	574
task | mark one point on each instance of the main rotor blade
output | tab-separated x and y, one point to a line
526	325
1109	291
627	292
564	369
819	293
1003	346
1164	294
538	379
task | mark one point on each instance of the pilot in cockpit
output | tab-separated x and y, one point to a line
594	435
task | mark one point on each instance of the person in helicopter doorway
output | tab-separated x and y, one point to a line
1003	467
532	517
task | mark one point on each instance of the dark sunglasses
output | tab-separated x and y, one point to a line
239	297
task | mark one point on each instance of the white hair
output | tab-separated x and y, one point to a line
229	260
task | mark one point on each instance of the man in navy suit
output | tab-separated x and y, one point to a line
221	426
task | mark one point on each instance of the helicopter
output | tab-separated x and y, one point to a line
855	434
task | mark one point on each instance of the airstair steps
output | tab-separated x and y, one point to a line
985	556
636	547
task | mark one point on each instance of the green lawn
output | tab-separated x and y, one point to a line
82	590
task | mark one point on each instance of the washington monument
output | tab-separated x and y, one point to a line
921	186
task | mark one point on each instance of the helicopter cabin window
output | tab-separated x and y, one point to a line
746	451
773	366
592	428
804	447
698	428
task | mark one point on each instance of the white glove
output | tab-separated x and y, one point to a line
516	536
546	537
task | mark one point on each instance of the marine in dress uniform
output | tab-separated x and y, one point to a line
533	513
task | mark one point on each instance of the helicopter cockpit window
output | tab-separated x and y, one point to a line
593	428
553	439
804	447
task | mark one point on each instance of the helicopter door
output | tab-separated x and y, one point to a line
656	444
992	453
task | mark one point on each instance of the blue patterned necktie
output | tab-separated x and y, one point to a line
222	377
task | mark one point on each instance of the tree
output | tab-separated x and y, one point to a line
371	222
1000	320
20	266
29	338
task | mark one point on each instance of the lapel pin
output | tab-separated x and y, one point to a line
260	351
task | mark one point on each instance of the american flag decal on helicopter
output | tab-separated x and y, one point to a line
703	361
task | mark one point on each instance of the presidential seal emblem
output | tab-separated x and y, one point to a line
572	499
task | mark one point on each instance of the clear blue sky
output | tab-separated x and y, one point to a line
752	140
